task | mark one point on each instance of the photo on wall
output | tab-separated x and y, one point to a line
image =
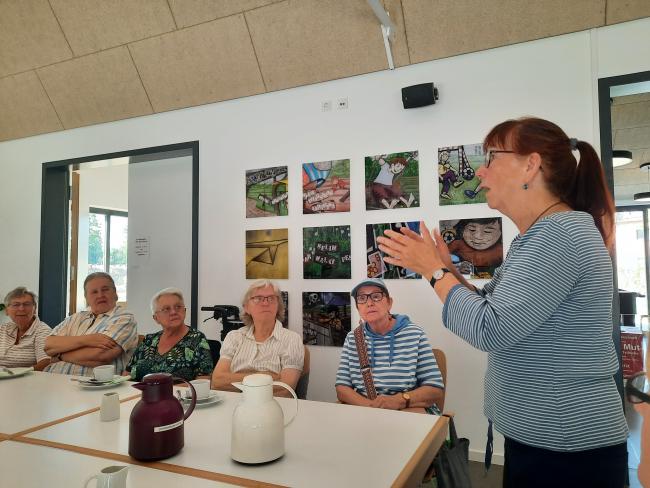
326	252
475	245
392	181
457	180
326	186
267	192
376	267
267	254
326	318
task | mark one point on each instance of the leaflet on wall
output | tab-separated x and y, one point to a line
267	192
267	254
376	267
476	245
326	318
392	181
326	252
326	186
457	180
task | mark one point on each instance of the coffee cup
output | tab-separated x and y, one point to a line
109	409
110	477
202	388
104	372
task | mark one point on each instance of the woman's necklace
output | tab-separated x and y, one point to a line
543	212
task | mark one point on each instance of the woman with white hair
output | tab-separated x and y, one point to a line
176	349
263	345
22	341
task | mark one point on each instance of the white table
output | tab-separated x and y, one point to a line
326	445
31	466
37	398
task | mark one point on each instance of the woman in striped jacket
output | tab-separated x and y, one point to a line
545	319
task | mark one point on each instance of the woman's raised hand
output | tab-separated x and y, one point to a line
417	252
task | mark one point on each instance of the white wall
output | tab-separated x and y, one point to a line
552	78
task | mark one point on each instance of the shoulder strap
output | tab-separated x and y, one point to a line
364	364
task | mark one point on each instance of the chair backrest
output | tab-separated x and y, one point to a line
303	382
215	350
441	359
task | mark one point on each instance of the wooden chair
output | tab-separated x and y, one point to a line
441	359
303	382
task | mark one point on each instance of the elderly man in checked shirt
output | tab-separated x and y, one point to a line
105	334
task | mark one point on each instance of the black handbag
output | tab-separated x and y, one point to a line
452	462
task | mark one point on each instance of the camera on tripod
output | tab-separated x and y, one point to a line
229	315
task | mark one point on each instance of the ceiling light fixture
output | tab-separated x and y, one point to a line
387	28
644	196
621	158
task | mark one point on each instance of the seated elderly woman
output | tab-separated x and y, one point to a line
22	341
262	345
404	370
176	349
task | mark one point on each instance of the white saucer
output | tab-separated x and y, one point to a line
211	399
98	385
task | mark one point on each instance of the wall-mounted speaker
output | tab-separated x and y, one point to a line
419	95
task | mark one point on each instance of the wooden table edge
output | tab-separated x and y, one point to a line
172	468
63	419
416	467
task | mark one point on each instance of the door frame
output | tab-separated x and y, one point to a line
55	217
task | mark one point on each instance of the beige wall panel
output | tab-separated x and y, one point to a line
192	12
25	108
98	88
201	64
29	36
631	115
623	10
94	25
442	28
299	42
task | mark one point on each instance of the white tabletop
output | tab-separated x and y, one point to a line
327	444
38	398
58	468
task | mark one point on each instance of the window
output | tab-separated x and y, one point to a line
107	245
631	257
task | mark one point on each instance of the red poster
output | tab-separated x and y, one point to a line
632	351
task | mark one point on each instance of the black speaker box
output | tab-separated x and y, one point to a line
419	95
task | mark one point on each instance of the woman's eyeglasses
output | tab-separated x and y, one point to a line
637	388
489	155
168	310
259	299
375	296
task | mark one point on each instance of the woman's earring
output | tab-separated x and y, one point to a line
525	187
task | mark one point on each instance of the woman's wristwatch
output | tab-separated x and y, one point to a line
406	397
438	275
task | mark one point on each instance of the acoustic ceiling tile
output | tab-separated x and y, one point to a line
97	88
25	108
95	25
30	36
635	138
299	42
192	12
202	64
624	10
443	28
631	115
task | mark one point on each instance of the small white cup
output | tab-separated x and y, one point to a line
202	388
109	410
110	477
104	372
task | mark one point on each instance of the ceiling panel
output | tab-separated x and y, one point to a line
624	10
201	64
25	108
442	28
97	88
95	25
631	115
192	12
299	42
29	36
634	138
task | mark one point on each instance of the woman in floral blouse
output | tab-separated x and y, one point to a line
176	349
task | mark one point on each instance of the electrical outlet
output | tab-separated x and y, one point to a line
342	104
326	106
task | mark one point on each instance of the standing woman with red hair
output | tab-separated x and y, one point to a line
545	319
